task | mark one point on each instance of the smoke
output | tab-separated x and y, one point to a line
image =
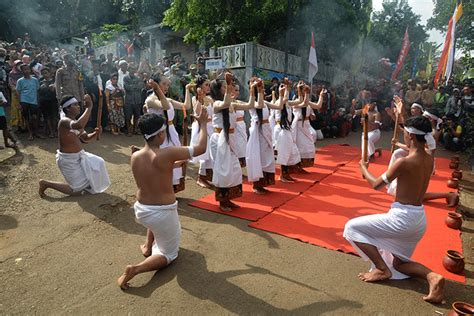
27	16
343	51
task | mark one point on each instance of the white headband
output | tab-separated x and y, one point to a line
430	141
433	117
69	103
416	105
148	136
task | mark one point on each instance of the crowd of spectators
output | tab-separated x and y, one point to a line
33	78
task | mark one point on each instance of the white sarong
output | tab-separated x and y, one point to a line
373	137
396	232
83	171
163	221
240	139
259	154
304	138
227	172
287	151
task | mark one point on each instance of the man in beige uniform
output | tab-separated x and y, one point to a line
69	80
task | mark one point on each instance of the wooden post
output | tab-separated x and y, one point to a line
395	131
99	112
185	136
365	151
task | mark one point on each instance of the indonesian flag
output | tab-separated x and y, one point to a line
402	56
449	64
313	60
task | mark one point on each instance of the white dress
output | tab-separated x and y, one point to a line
240	135
305	139
171	140
285	142
259	155
227	173
204	160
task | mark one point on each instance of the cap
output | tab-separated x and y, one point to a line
192	67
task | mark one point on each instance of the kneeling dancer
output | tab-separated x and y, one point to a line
156	207
82	171
389	240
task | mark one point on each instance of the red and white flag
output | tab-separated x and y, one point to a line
402	56
313	60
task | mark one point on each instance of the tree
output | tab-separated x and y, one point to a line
388	29
226	22
443	11
47	20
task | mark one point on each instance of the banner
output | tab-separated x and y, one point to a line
402	56
450	60
415	63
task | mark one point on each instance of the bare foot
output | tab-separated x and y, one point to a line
301	170
42	188
260	190
436	283
203	183
125	277
452	200
31	137
287	179
146	251
378	151
224	207
375	275
233	205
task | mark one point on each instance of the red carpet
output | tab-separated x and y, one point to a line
253	207
318	215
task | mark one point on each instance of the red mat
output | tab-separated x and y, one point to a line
318	215
328	160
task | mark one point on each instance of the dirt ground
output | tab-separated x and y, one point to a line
62	255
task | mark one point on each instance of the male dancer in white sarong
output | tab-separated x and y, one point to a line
156	207
389	239
83	171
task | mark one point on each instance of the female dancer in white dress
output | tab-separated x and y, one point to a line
227	174
240	130
172	136
204	160
260	156
287	153
305	139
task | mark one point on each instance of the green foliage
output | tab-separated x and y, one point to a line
110	31
220	22
443	11
388	30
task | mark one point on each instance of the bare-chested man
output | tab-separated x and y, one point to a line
452	198
83	171
156	207
389	240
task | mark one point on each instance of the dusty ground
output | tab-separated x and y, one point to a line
63	255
